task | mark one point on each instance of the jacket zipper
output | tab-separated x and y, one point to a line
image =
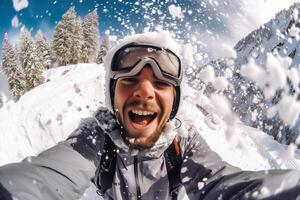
136	175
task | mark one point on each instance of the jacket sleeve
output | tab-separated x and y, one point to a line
205	176
61	172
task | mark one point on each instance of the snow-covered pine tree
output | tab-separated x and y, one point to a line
105	46
33	67
90	27
24	41
43	50
29	60
14	73
76	48
66	40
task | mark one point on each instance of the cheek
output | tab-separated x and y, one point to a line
167	100
121	94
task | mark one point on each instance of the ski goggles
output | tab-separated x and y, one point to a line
131	59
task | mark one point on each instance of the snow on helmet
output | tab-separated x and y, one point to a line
161	39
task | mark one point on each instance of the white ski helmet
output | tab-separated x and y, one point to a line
162	40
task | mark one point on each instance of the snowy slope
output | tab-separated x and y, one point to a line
48	114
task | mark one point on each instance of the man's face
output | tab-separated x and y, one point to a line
143	105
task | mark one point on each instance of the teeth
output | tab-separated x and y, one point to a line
141	112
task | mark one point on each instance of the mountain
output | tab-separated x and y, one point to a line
50	112
279	34
274	43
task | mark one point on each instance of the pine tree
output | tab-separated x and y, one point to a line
76	48
25	40
90	27
67	39
43	50
33	67
105	46
30	61
13	71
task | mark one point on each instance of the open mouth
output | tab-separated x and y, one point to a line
142	118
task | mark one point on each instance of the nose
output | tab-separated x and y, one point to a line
144	91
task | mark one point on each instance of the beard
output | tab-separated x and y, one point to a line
145	143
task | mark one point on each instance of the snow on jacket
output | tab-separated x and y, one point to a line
66	170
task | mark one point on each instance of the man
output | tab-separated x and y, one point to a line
134	150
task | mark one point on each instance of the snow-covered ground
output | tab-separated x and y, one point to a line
49	113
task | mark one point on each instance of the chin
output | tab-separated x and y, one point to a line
143	143
144	138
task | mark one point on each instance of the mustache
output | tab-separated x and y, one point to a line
146	105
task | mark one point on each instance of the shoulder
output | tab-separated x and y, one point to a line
189	138
102	122
87	127
88	138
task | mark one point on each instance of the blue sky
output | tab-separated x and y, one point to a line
205	22
119	16
45	14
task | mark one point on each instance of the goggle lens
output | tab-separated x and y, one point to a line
128	57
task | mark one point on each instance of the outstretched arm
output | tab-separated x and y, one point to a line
61	172
206	176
